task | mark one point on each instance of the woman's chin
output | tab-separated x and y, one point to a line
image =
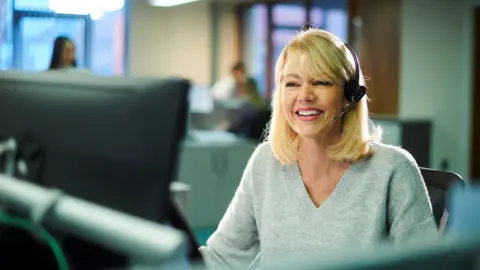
311	132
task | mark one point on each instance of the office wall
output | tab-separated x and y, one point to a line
228	38
436	74
177	41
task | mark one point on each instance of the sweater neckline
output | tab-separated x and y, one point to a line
303	203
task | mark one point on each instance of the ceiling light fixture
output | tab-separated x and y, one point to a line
85	7
169	3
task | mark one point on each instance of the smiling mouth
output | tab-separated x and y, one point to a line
308	113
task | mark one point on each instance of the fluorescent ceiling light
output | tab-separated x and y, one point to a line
85	7
169	3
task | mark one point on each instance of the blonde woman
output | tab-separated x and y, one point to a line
322	182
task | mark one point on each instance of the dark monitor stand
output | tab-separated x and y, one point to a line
109	141
147	245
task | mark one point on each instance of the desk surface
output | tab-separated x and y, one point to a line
209	138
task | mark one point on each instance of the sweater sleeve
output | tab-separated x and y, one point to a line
235	243
410	215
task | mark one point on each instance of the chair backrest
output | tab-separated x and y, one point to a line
259	125
438	183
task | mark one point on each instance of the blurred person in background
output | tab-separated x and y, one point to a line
64	55
246	119
239	91
249	92
232	87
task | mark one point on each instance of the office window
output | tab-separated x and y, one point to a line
316	17
336	22
255	43
280	38
287	20
97	29
108	44
36	37
6	37
289	15
331	15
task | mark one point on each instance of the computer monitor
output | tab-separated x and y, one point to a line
147	244
449	253
463	202
201	99
113	141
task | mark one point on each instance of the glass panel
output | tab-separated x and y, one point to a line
6	37
37	36
108	44
316	17
337	23
255	40
289	15
280	38
332	16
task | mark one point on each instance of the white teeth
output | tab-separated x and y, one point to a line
309	113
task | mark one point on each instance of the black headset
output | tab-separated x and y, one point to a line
354	91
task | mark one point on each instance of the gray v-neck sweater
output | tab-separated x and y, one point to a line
379	198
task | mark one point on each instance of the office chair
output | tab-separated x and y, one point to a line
259	125
438	184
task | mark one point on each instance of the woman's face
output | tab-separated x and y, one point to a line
68	54
309	102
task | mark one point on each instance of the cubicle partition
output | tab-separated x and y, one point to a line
212	164
414	135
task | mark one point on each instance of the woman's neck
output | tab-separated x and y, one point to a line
313	157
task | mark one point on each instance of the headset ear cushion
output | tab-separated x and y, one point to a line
350	89
359	94
354	92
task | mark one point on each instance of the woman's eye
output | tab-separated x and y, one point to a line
291	84
322	83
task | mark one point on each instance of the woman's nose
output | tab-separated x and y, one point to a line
306	94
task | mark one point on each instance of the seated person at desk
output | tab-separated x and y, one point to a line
231	87
242	121
240	92
322	183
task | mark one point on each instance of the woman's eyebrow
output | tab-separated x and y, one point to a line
294	75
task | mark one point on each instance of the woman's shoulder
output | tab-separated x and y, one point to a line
263	164
263	154
265	171
389	165
390	156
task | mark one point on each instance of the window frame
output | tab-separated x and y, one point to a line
19	14
309	5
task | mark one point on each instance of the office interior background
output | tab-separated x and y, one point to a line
421	58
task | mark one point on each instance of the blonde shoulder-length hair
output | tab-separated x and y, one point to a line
335	60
